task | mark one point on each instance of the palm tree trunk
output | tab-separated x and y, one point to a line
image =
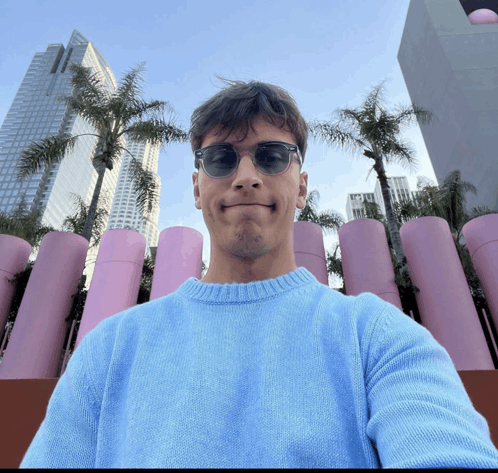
391	221
92	211
392	225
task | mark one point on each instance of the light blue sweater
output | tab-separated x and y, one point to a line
284	372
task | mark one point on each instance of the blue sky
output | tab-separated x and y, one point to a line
327	54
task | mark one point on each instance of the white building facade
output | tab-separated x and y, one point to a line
399	190
124	211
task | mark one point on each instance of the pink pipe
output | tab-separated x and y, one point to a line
116	278
481	238
309	250
179	257
14	255
366	260
38	335
446	306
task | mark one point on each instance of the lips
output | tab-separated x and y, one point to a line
223	207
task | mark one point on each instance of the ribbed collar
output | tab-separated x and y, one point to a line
235	293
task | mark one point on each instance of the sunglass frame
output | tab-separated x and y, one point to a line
292	149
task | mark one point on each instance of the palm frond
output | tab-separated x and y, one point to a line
400	152
94	113
375	98
333	135
75	223
145	187
156	131
479	212
131	84
87	85
372	210
334	262
406	115
328	220
142	109
349	119
423	181
453	199
10	225
312	199
24	223
44	154
384	128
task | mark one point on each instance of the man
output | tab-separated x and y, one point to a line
258	365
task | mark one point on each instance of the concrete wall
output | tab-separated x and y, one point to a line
451	68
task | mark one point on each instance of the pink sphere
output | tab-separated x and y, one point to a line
483	16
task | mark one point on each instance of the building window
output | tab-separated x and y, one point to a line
67	60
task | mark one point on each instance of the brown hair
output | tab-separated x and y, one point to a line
235	108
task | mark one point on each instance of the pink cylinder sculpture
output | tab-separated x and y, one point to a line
481	238
366	261
37	339
309	250
446	306
179	257
116	278
14	255
483	16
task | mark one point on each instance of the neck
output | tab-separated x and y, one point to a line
229	269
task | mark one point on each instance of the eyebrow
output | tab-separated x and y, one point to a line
230	144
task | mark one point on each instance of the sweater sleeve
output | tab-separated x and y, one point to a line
67	437
420	415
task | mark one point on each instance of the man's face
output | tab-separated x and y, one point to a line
246	233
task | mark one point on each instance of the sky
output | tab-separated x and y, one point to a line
327	54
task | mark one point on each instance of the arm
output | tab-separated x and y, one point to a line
420	415
67	437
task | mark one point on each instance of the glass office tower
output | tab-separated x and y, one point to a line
36	113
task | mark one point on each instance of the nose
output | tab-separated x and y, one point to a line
247	174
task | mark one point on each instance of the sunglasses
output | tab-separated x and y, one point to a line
270	157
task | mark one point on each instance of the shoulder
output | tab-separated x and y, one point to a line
130	320
365	306
366	314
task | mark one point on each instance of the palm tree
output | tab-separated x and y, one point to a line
447	201
329	221
25	224
376	131
76	223
113	115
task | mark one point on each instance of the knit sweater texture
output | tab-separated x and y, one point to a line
283	372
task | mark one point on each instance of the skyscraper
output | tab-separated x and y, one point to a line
450	66
398	190
36	113
354	205
124	211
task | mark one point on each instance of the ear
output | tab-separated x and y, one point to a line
303	190
197	195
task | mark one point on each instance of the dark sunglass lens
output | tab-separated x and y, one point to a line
272	159
219	161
